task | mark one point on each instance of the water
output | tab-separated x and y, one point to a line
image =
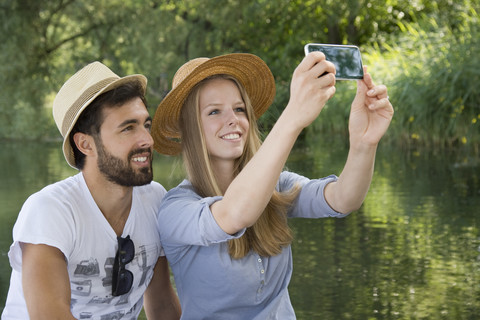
410	252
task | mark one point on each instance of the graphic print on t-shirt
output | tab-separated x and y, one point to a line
87	268
89	275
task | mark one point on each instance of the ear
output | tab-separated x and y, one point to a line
84	143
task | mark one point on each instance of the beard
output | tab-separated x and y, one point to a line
121	172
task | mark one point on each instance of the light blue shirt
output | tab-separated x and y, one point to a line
212	285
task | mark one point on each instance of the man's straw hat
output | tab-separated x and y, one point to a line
248	69
78	92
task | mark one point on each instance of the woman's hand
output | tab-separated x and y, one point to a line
370	116
313	84
371	113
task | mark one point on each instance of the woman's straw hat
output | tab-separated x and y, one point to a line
248	69
78	92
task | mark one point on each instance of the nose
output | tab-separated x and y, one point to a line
232	118
146	139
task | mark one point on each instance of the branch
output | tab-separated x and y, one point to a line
81	34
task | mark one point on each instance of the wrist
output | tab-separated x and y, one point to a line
288	125
362	147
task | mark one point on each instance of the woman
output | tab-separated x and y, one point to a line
224	229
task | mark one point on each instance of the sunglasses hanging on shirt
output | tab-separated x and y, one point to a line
122	279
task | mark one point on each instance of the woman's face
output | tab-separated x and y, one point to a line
224	119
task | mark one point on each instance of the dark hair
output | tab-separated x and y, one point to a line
92	118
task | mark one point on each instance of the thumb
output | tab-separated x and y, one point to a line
361	93
362	87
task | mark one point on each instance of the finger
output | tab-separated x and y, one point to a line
310	61
367	78
380	104
326	93
379	92
326	80
322	68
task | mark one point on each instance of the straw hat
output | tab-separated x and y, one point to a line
78	92
248	69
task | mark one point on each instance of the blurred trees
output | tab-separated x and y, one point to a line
45	42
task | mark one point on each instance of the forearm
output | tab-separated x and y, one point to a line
167	308
349	191
370	116
160	299
249	193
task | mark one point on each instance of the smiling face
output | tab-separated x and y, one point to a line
224	120
124	146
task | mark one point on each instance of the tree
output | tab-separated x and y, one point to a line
44	42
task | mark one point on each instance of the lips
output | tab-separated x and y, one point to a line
140	156
231	136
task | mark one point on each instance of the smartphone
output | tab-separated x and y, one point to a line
346	58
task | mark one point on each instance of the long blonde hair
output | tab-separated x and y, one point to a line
271	232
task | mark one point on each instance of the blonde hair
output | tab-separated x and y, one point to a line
271	232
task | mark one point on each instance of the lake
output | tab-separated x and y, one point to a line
412	251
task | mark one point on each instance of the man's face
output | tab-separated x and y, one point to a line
124	146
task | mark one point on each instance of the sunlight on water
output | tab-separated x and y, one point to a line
410	252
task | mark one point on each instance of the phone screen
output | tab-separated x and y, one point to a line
347	59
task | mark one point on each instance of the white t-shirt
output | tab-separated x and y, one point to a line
64	215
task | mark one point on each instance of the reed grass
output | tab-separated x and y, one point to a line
432	73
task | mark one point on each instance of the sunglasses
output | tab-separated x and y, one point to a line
122	279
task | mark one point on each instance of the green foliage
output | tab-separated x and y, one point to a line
44	42
432	72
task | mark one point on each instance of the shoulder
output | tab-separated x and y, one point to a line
149	197
152	190
63	202
183	190
183	198
58	193
50	215
152	187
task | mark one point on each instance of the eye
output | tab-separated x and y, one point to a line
241	109
214	111
148	125
128	128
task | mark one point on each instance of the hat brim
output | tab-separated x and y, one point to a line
248	69
67	148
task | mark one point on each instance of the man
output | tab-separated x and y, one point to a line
87	247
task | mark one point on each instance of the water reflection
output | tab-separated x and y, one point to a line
410	252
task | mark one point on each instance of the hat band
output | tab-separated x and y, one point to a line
80	102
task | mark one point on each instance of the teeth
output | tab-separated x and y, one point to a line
140	159
231	136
